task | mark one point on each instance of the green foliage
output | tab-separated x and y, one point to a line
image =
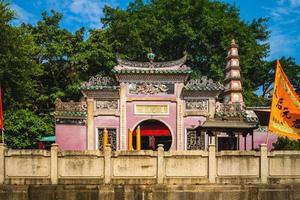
23	128
18	70
62	58
283	143
290	68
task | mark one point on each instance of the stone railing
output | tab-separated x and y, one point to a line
148	167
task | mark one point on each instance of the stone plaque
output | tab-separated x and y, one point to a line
151	109
197	104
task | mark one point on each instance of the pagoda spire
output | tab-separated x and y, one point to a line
232	82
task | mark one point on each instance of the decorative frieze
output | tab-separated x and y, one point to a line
150	88
70	106
98	80
70	121
197	104
195	141
106	105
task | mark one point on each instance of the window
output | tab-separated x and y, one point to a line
195	140
112	138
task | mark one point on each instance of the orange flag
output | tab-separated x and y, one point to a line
285	109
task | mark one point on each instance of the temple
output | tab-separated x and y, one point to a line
169	107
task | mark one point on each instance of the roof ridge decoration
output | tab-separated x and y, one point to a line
235	111
135	64
203	84
99	82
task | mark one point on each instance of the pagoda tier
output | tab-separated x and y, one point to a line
232	82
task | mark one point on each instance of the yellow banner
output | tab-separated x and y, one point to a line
285	110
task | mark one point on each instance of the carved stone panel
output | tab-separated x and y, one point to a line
106	105
112	138
197	105
195	141
150	88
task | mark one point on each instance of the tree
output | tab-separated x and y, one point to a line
62	56
283	143
18	70
290	68
202	28
23	128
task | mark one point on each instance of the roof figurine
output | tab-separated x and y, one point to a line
151	56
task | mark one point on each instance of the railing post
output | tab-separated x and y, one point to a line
54	152
264	163
212	163
107	164
2	163
160	164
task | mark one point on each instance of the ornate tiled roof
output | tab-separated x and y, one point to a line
70	109
231	117
235	112
170	67
203	84
99	82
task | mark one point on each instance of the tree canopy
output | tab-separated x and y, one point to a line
42	62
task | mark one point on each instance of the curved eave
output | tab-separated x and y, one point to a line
96	87
151	71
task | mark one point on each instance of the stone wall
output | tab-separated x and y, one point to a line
29	167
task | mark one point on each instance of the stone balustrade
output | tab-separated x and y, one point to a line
148	167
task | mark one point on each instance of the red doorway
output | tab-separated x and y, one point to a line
153	132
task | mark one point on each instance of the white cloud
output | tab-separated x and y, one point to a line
284	26
22	15
88	10
295	3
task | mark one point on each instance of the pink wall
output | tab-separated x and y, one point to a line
169	120
107	122
70	137
193	122
259	138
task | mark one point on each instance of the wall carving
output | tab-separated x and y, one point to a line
197	104
70	106
195	141
99	80
71	121
106	105
150	88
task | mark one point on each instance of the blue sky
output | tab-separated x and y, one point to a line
284	16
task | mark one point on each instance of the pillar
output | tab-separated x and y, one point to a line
90	124
107	164
264	163
54	152
212	163
160	164
2	163
180	113
123	121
